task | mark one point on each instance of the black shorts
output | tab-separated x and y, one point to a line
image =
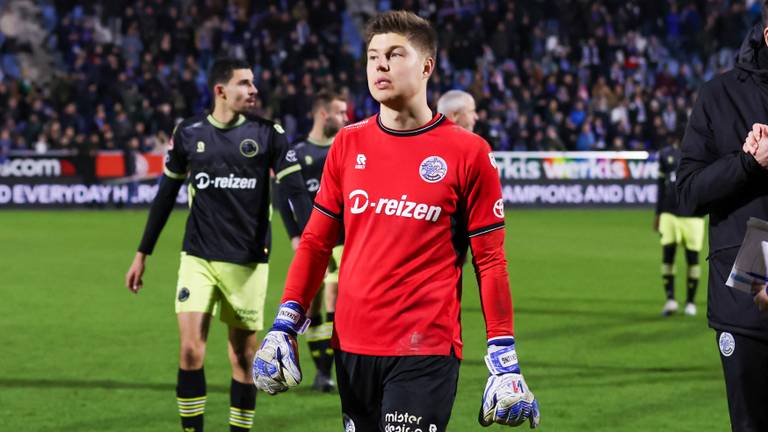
745	366
396	394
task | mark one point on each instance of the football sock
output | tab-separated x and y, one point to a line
319	340
242	401
669	286
314	340
190	396
694	273
668	270
329	316
668	276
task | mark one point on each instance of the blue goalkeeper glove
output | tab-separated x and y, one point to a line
276	364
507	399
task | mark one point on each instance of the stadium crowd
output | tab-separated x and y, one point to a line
546	74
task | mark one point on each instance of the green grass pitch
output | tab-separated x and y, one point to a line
78	352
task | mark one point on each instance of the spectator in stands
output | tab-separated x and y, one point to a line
567	64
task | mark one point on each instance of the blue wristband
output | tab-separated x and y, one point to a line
291	319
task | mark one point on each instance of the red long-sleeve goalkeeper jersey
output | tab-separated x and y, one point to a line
410	203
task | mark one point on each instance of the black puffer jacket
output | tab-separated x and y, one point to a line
716	177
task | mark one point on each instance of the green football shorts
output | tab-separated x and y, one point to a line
238	290
682	230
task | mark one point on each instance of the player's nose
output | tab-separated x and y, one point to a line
382	64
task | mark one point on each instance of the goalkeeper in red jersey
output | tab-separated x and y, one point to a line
412	191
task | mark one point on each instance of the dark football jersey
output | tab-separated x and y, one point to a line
228	167
311	155
669	159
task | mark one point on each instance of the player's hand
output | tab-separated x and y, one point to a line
295	243
760	292
507	399
656	223
276	364
133	277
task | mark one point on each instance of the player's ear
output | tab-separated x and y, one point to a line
218	90
429	66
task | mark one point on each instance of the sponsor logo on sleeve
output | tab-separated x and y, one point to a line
290	156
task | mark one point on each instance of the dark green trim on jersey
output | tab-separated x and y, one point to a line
219	125
290	170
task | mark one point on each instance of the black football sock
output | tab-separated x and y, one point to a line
314	339
190	396
694	273
668	270
242	403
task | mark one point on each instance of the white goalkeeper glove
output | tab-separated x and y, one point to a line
276	364
507	399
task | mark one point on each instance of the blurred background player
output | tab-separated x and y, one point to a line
459	106
676	229
413	190
329	115
227	158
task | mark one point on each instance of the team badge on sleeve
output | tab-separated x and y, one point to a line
433	169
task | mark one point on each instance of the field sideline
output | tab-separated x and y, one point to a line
80	353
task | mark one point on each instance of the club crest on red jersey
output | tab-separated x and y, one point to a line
433	169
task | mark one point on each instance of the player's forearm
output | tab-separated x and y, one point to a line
311	260
701	185
161	208
291	188
493	279
284	208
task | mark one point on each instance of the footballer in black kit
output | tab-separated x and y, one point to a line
226	156
676	229
329	115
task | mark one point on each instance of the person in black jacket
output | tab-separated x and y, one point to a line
716	177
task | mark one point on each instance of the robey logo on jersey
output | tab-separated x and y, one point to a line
360	202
